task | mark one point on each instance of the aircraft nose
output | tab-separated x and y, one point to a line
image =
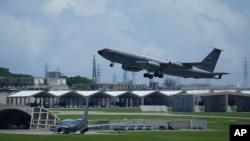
100	52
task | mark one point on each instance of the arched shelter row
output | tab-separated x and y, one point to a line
96	98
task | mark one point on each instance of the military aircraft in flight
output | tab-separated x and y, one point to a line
72	125
157	68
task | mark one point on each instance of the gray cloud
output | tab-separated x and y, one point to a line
67	33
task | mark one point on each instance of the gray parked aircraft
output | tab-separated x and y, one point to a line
156	67
72	125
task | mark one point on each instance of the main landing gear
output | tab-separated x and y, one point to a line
150	76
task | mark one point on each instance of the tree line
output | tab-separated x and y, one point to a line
75	82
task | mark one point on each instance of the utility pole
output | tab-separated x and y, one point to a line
114	78
98	74
133	78
46	69
245	72
94	78
125	77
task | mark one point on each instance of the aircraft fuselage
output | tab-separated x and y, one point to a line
134	62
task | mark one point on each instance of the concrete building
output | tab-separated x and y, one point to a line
214	101
33	83
18	82
175	124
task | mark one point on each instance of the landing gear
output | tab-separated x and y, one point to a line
83	130
111	65
160	75
65	131
150	76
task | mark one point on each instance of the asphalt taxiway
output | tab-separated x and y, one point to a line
47	132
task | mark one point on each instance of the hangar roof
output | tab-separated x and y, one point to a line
168	93
245	92
198	92
58	93
34	93
115	93
142	93
87	93
25	93
223	91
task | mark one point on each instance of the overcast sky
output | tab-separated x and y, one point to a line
67	33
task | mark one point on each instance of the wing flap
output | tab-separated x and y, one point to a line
100	125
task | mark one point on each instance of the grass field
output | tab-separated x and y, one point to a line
218	127
127	136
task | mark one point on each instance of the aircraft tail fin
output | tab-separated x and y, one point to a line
210	60
85	115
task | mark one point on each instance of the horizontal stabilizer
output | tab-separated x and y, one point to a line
218	75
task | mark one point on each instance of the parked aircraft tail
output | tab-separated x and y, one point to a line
85	114
211	60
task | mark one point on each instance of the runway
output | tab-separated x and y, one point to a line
47	132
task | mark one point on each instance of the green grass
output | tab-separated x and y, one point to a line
128	136
115	109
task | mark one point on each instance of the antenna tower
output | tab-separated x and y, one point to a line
133	78
125	77
245	72
114	78
98	73
46	69
94	76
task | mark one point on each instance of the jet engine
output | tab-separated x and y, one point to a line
133	69
176	65
58	129
152	66
149	65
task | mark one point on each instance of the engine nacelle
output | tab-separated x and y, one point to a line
152	66
149	65
58	129
72	128
133	69
175	65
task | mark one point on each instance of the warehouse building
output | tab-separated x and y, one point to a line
180	101
214	101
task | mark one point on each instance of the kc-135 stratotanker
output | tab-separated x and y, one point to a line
157	68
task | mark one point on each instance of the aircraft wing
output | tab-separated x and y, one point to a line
58	128
100	125
218	75
180	65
